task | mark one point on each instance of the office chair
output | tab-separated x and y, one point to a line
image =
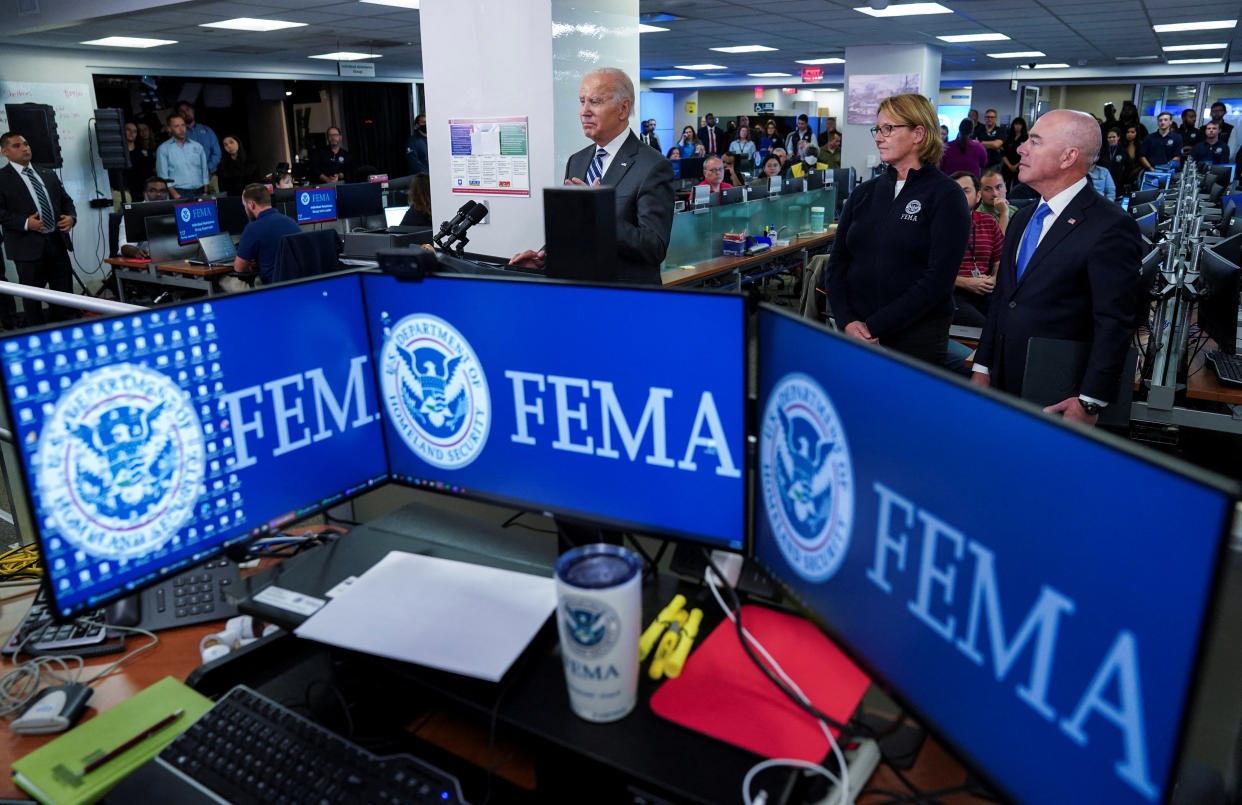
307	254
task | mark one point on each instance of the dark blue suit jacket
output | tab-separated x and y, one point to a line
1082	284
16	205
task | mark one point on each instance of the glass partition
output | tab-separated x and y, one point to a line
696	235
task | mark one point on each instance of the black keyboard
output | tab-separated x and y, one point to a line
248	748
1228	367
39	634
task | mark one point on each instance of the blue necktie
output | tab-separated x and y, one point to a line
597	167
45	204
1030	239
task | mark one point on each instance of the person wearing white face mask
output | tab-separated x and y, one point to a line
809	162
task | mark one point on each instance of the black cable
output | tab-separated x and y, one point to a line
505	686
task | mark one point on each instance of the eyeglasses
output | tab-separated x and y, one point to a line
886	131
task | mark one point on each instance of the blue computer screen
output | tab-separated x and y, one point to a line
1157	179
619	405
315	204
196	220
150	440
1037	594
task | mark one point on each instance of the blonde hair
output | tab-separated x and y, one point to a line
915	110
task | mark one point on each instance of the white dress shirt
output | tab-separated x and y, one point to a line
612	148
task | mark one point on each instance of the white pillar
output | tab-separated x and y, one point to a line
857	146
519	58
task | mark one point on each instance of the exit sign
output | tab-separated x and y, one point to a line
812	74
758	93
788	90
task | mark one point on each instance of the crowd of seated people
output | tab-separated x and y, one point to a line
763	146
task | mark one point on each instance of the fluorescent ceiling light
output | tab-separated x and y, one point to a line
973	38
744	49
905	10
129	42
769	75
1195	61
1211	25
831	60
673	77
397	3
1137	58
643	28
346	55
828	89
252	24
1018	54
1211	46
700	67
1051	66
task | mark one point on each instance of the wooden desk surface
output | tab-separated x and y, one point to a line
1202	384
184	267
121	262
721	265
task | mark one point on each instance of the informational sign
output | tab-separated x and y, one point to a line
691	107
316	204
490	155
766	108
196	221
811	75
353	68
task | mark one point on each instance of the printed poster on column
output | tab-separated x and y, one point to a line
490	155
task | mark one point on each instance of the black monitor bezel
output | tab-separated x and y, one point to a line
191	203
1232	491
335	209
171	570
345	191
587	517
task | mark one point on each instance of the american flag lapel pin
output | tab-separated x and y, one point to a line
1072	221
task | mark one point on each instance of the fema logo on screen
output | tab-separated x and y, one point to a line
435	391
806	477
120	462
185	214
306	198
592	626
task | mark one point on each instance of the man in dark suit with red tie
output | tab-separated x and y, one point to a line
1070	270
36	215
711	137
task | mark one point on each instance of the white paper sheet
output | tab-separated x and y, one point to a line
455	616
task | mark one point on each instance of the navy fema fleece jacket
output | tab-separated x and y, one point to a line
894	260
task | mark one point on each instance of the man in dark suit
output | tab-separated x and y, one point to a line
649	136
712	138
643	178
1070	270
36	215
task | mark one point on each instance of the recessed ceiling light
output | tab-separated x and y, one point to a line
252	24
769	75
1018	54
129	42
346	55
1210	25
673	77
643	28
397	3
832	60
1195	61
700	67
905	10
1212	46
288	92
973	38
1051	66
744	49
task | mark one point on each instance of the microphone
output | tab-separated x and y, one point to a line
447	226
458	233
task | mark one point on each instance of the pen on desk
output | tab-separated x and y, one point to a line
132	742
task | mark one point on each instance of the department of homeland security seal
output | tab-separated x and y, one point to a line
806	477
591	625
120	462
435	391
305	199
914	207
185	214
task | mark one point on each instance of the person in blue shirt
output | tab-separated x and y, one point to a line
202	135
182	161
1212	150
1163	146
1102	181
260	240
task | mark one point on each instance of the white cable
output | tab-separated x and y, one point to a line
843	784
786	761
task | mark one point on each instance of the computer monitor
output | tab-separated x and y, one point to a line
1147	225
792	184
1223	174
690	168
1155	180
1149	270
164	240
393	216
1049	676
137	213
151	441
503	390
359	199
195	220
814	180
1220	280
232	212
732	195
1144	197
843	180
315	204
1227	216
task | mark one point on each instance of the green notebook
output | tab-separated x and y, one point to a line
52	773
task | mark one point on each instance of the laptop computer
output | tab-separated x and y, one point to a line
217	250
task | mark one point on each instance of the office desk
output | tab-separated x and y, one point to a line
176	274
1202	383
738	266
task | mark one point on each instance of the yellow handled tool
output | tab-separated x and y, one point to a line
675	661
653	632
667	644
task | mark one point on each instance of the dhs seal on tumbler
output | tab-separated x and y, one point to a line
435	391
806	477
120	462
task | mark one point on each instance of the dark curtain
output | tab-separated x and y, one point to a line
376	125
